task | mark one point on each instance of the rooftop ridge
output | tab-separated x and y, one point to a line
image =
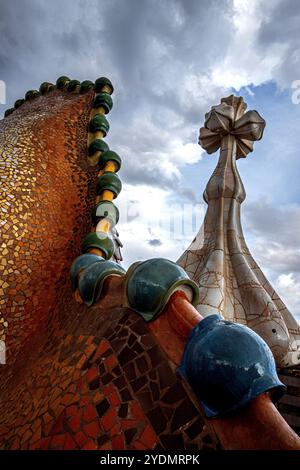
63	83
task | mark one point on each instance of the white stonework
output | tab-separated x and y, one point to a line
231	283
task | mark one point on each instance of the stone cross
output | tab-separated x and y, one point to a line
231	282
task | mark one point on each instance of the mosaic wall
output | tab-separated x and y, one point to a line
75	378
45	201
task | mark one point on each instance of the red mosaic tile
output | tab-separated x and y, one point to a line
89	413
58	426
102	348
148	438
35	445
109	419
114	398
90	445
80	438
44	443
111	362
138	445
106	446
92	374
108	389
69	398
84	400
92	429
136	411
82	386
36	437
128	423
70	444
90	340
15	444
71	410
98	397
74	423
115	430
25	438
58	441
118	443
89	349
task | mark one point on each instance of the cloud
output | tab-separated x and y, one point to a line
245	63
288	287
278	224
163	228
151	156
155	242
273	236
279	31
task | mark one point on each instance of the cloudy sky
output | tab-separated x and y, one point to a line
170	61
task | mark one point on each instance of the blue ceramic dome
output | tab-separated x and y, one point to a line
228	365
